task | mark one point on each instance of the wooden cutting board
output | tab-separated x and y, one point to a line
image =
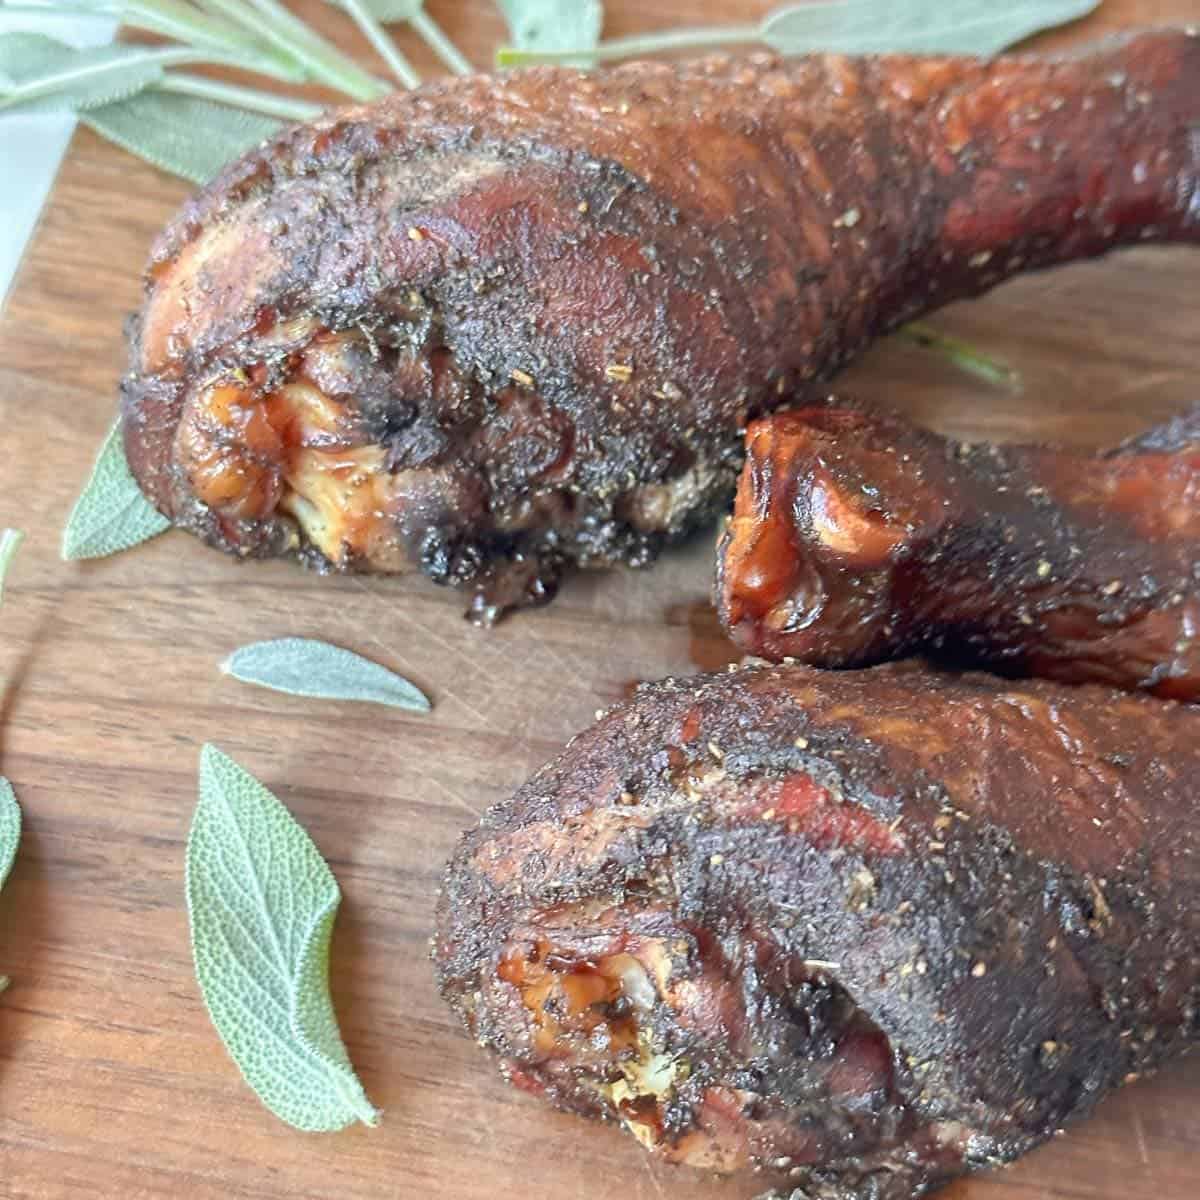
112	1081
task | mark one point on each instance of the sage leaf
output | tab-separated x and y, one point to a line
10	828
261	905
10	541
112	514
980	27
184	135
305	667
553	25
47	75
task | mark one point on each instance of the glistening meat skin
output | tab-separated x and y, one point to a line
867	930
500	326
858	537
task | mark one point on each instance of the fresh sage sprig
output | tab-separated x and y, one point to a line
179	20
10	838
261	905
257	36
980	27
77	79
324	63
112	514
305	667
10	543
40	73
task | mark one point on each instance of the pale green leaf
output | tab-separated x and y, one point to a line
10	541
262	903
981	27
26	55
178	20
10	828
112	514
551	25
48	75
303	667
187	136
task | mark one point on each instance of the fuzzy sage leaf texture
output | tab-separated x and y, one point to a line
551	25
261	905
41	74
112	514
980	27
10	828
187	136
306	667
10	543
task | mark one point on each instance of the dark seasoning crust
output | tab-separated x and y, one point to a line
863	931
1001	882
555	299
858	537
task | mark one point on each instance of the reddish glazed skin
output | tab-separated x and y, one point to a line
866	930
858	537
501	325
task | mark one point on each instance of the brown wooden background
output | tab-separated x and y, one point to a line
112	1082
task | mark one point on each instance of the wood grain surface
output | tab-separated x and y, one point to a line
112	1081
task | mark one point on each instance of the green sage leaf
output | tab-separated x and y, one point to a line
304	667
48	75
10	541
184	135
262	903
550	25
10	828
980	27
112	514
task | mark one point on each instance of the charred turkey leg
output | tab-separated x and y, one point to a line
496	326
858	537
868	930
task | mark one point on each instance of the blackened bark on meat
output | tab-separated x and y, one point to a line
868	930
858	537
527	317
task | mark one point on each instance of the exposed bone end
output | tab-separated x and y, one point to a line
253	452
862	537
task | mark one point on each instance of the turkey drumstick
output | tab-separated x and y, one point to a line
501	325
867	930
858	537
